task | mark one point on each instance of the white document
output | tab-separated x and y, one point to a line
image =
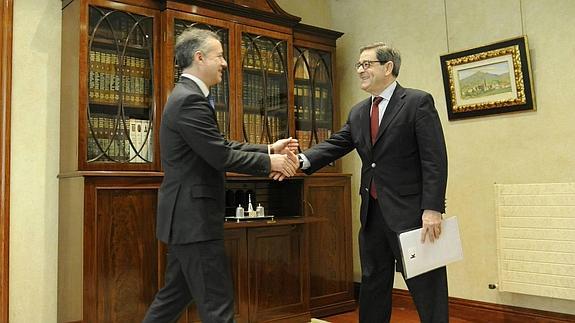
419	258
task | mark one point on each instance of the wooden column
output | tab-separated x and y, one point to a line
5	98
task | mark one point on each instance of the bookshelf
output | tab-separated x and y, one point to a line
264	88
313	92
221	91
119	72
120	104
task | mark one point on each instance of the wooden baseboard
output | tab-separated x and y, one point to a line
332	309
476	311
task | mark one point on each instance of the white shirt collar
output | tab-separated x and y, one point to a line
388	91
199	82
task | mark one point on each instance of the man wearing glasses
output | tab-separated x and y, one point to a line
398	136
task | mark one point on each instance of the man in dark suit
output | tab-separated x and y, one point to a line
195	157
398	136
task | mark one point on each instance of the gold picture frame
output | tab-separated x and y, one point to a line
489	79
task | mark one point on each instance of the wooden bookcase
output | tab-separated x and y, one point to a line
119	72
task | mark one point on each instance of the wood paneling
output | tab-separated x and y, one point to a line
121	251
269	269
5	98
331	288
235	242
278	280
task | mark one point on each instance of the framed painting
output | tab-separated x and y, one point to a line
489	79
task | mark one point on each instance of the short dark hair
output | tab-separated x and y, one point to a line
189	42
385	53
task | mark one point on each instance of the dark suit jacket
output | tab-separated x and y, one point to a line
408	161
195	157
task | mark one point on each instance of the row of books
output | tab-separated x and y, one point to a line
218	91
255	128
181	25
253	93
308	64
306	103
222	117
306	138
110	76
262	54
111	139
117	29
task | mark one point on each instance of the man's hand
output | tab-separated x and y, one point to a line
279	176
282	146
431	225
283	166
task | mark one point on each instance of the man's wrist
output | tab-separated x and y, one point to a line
300	159
271	149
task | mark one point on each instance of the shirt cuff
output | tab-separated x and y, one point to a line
306	163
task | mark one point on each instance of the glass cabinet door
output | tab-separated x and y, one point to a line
264	88
120	105
220	91
313	93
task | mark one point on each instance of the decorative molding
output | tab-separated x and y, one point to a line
476	311
317	31
5	99
250	9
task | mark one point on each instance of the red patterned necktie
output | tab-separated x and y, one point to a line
374	129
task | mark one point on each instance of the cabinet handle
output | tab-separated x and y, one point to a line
310	206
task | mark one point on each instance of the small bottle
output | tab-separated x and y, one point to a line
239	211
251	211
260	210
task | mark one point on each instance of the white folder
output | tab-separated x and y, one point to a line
419	258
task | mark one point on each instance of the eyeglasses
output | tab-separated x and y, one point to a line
367	64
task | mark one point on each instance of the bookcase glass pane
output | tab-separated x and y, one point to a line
121	103
264	89
220	91
313	96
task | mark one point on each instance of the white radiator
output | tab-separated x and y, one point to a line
536	239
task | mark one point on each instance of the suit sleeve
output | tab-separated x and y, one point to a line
246	147
433	155
335	147
197	126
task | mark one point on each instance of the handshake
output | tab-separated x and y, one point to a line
283	158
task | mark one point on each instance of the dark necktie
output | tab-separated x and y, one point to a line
374	129
212	101
375	118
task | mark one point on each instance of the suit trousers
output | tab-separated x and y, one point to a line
200	272
379	251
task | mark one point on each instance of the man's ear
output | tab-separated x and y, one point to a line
198	56
388	68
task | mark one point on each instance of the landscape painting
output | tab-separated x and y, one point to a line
485	80
488	80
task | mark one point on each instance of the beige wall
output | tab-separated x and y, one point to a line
312	12
35	147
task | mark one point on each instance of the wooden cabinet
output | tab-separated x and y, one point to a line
278	274
119	71
269	266
315	103
175	23
330	267
109	86
108	253
258	74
